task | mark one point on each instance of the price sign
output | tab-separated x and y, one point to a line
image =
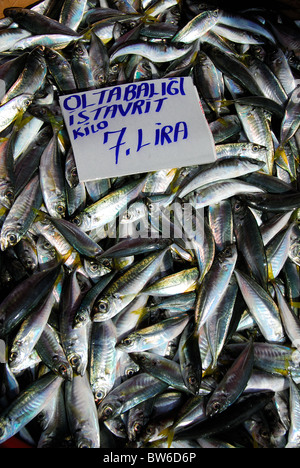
138	127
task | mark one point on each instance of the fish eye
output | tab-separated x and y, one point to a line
99	395
9	194
94	266
137	427
102	306
130	372
62	369
191	380
237	206
74	361
80	319
74	172
255	148
127	341
84	444
216	406
127	215
13	356
60	209
100	77
12	239
108	411
77	221
264	434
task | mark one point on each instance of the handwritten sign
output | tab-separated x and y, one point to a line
138	127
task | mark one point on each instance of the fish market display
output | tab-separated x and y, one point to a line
158	310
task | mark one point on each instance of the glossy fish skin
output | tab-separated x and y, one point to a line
83	313
82	412
157	53
222	190
60	70
122	291
289	319
290	123
24	297
162	368
7	181
154	335
36	22
32	77
215	284
247	236
262	307
14	108
77	238
52	180
21	215
234	167
180	282
72	13
232	384
198	26
190	359
74	341
27	405
55	428
103	211
232	417
32	328
52	354
103	358
128	394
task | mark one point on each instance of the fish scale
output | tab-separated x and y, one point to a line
135	318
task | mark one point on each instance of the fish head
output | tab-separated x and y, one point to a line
9	238
7	195
78	363
217	403
131	343
83	221
82	318
135	211
109	408
59	208
63	368
106	307
97	268
100	389
17	355
24	101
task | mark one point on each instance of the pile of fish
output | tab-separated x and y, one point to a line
112	339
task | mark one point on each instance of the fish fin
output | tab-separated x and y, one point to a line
169	434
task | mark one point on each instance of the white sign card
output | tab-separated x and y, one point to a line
137	127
